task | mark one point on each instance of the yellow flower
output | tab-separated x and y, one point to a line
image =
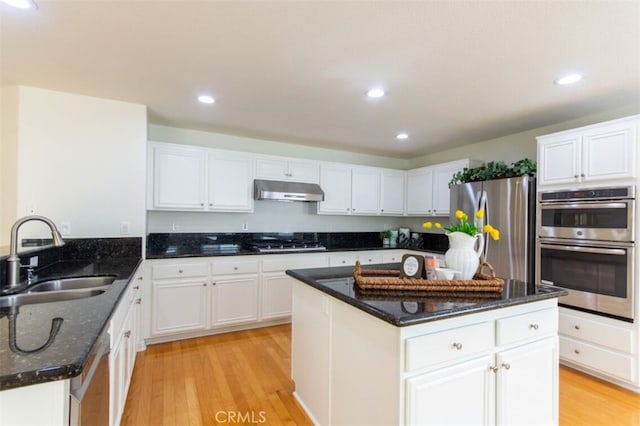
438	225
495	234
460	214
428	225
480	214
488	228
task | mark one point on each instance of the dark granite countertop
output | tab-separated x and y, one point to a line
410	310
83	320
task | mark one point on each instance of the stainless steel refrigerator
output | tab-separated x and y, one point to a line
510	206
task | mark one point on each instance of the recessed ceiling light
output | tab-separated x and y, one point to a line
402	136
206	99
375	93
21	4
568	79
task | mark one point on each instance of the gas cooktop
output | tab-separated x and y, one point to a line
285	246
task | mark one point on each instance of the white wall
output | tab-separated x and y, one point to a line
81	160
262	146
268	216
517	146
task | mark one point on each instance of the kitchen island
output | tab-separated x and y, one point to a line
379	358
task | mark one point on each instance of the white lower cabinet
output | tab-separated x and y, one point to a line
463	370
438	397
208	295
602	346
179	306
234	300
123	332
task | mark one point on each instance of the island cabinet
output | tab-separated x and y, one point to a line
491	367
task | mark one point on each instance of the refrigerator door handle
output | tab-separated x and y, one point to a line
480	222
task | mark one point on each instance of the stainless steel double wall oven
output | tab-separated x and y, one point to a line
586	245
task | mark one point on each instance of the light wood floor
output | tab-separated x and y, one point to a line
244	378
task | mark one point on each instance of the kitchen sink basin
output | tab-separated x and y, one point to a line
48	296
59	290
72	283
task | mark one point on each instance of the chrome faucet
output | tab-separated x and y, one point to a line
13	262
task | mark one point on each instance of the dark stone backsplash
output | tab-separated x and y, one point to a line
164	245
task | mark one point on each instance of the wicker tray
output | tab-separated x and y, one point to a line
384	279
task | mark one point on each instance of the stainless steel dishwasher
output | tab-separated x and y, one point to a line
89	403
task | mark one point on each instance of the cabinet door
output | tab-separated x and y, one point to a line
608	152
460	395
302	171
442	175
230	183
420	191
276	295
335	181
117	395
392	192
559	158
179	178
527	384
179	305
365	191
234	300
270	168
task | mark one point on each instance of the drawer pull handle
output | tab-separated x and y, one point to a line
576	351
457	345
506	365
204	284
127	334
577	327
235	268
137	287
179	271
141	278
534	326
138	301
494	369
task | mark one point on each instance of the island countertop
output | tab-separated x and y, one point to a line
410	310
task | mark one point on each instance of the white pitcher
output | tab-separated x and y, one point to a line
462	256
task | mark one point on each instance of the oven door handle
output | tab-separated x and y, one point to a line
595	250
556	206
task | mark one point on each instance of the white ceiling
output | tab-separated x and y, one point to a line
456	72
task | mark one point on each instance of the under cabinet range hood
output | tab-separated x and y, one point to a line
286	191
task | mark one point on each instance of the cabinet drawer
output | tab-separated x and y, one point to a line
527	326
604	360
448	345
179	270
297	261
235	267
343	259
370	258
598	332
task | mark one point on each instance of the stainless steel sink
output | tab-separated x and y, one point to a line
48	296
59	290
72	283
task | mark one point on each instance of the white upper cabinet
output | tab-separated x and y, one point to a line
335	181
420	191
428	187
179	178
365	190
598	153
230	182
287	169
392	192
360	190
199	179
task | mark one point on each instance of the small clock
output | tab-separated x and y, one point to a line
411	266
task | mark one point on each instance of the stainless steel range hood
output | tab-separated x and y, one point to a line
286	191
